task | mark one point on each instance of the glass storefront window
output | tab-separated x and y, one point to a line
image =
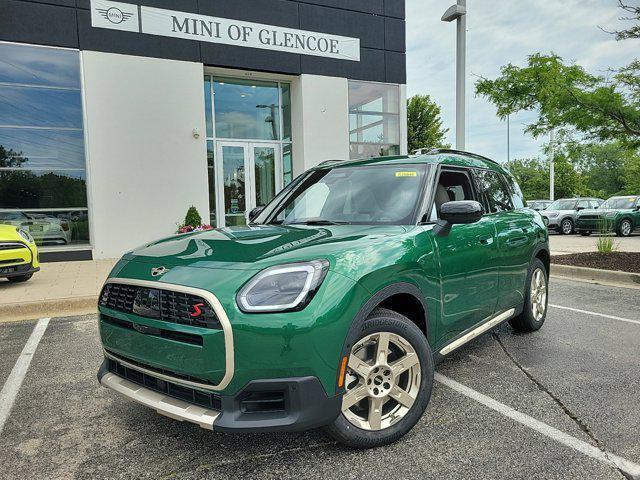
287	165
246	109
212	182
42	159
374	119
285	90
253	116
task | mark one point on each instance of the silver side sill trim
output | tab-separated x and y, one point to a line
164	405
479	330
220	313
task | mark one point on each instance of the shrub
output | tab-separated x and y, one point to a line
605	242
193	218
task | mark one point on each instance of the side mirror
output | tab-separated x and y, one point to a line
457	213
255	212
579	208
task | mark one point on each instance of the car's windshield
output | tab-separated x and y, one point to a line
616	203
372	194
562	205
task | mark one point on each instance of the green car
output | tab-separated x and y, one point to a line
333	305
618	214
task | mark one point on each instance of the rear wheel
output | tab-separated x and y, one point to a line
625	228
20	278
387	384
566	227
536	300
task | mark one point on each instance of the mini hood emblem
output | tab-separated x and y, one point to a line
157	271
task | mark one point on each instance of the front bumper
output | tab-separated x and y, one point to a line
287	404
17	270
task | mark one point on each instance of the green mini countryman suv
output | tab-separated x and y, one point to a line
333	305
618	214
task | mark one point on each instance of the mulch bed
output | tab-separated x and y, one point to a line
623	261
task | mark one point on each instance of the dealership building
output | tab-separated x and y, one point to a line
116	117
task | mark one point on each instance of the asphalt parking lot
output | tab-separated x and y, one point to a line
573	389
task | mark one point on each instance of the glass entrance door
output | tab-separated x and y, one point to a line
249	174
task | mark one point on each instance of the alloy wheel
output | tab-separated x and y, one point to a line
538	294
567	227
625	228
382	381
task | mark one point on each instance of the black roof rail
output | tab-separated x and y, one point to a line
328	162
461	152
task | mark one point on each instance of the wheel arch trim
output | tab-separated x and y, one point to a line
374	301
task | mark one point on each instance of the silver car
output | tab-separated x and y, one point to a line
561	214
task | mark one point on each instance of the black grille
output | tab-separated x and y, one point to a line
156	332
190	395
165	305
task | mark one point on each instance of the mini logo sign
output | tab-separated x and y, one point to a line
226	31
157	271
114	15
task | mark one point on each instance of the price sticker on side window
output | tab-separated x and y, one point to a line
406	174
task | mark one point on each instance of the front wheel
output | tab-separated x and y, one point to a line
536	300
387	383
625	228
566	227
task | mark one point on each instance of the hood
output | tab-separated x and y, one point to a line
257	247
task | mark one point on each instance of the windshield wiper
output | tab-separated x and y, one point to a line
318	221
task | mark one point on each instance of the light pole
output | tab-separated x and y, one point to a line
458	12
552	173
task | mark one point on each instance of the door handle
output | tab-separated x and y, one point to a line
525	229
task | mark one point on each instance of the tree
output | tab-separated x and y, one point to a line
424	125
532	175
567	96
633	31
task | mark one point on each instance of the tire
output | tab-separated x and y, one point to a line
354	426
531	318
566	227
20	278
585	233
624	228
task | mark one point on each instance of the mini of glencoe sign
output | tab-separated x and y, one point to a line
191	26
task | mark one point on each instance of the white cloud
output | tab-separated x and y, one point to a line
506	32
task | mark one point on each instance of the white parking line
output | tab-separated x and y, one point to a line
12	385
612	317
626	466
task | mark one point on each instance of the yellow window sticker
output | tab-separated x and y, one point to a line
406	174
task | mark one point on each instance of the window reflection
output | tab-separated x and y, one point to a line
374	120
246	109
42	163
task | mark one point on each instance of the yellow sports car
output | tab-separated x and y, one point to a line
18	254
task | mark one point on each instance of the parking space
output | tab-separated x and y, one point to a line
561	244
579	376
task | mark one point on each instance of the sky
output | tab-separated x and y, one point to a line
501	32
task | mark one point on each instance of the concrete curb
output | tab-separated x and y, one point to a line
60	307
596	275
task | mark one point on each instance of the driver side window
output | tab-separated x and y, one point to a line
453	185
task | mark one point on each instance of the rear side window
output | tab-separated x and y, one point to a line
493	191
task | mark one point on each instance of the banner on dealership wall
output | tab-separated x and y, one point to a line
203	28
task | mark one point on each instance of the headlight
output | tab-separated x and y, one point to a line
283	288
25	235
553	215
